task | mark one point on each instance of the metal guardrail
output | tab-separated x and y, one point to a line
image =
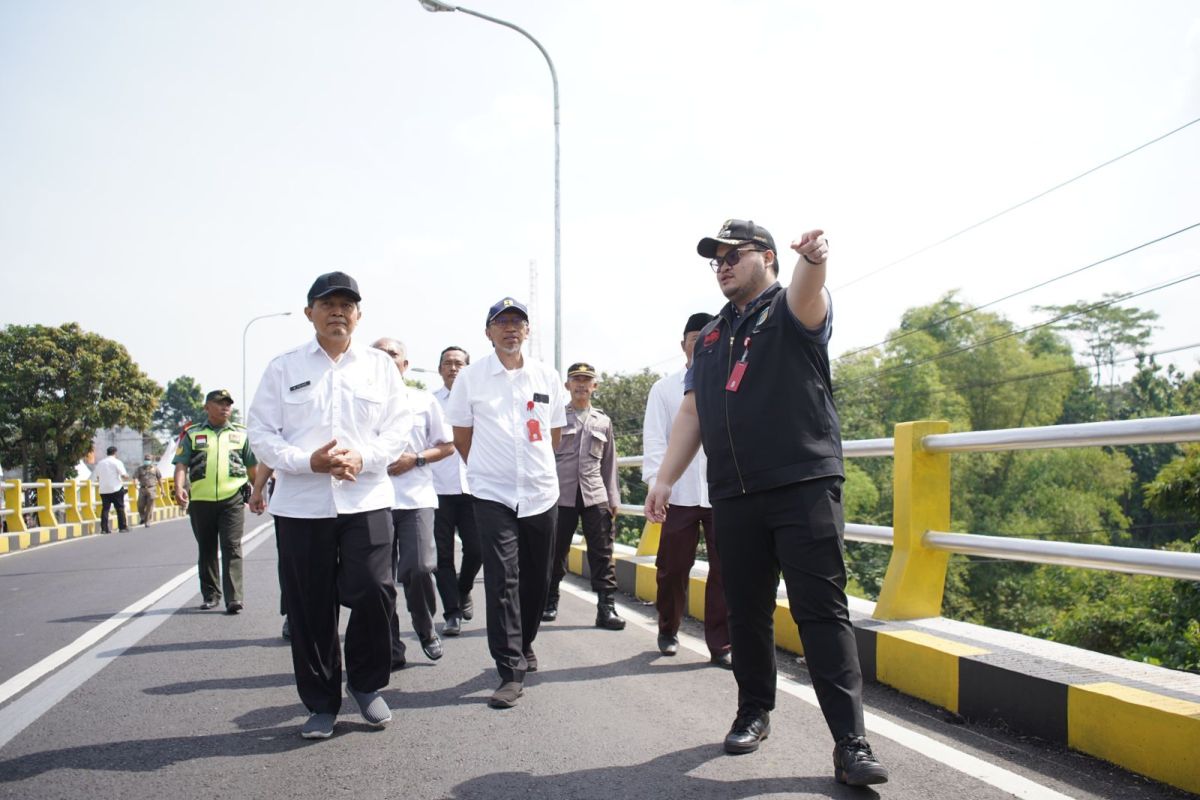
1140	561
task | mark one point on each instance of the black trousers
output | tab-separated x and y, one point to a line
597	532
329	563
455	511
516	574
218	525
113	500
797	529
413	561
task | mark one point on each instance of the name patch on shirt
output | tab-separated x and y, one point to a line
541	398
299	386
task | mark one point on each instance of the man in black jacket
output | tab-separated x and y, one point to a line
758	398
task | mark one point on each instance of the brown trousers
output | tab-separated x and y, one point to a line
676	554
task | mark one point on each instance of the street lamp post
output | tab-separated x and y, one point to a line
244	332
438	5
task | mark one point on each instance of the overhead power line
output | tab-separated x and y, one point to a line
1012	208
1010	334
1026	290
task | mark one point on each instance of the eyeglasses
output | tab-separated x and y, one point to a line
732	257
512	321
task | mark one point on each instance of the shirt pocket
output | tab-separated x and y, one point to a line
598	440
299	409
368	405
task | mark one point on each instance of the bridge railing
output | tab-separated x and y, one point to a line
921	544
47	504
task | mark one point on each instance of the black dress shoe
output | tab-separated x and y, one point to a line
452	626
399	663
467	607
550	613
722	660
854	763
750	728
506	696
668	645
530	661
234	608
432	647
207	604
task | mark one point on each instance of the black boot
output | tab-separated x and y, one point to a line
550	612
606	613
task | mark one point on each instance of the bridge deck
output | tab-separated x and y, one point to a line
182	703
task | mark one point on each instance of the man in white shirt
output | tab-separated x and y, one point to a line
111	474
688	513
328	417
508	412
455	510
414	555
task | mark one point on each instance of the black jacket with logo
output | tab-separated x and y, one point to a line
780	426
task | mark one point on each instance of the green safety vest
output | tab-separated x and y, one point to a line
216	460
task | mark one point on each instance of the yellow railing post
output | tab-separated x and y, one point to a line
131	496
14	501
648	543
71	498
45	499
87	504
916	575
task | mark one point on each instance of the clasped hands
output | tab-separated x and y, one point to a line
340	462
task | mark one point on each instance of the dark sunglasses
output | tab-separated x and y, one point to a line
732	257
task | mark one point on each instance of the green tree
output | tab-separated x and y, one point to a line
623	398
58	386
182	401
1108	329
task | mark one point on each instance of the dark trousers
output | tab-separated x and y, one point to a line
597	532
797	529
325	564
113	500
218	524
413	560
456	511
516	575
673	566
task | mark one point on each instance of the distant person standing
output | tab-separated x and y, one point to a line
149	481
587	484
508	411
328	417
688	515
216	459
414	554
111	474
454	512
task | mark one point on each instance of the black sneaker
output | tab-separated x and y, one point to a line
234	608
855	765
208	603
668	645
749	729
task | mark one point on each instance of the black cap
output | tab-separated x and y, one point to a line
735	232
504	305
696	322
334	283
582	368
218	394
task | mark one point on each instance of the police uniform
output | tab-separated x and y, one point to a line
586	459
771	433
217	462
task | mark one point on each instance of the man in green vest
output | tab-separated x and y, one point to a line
215	458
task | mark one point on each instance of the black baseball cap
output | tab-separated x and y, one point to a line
504	305
736	232
582	368
218	394
696	322
334	283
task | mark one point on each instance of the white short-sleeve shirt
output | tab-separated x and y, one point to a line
449	474
498	404
414	489
306	399
111	474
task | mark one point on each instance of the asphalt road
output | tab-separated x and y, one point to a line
113	684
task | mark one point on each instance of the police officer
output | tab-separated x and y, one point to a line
587	490
215	457
758	397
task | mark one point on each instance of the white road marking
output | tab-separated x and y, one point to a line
991	774
17	716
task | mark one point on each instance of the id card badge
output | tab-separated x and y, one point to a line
739	369
535	430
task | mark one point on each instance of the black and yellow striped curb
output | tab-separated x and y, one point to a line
12	542
1145	728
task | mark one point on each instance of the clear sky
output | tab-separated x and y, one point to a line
171	169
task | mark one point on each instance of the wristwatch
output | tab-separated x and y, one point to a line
421	461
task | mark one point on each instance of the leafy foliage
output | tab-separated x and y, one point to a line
623	398
182	401
58	386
